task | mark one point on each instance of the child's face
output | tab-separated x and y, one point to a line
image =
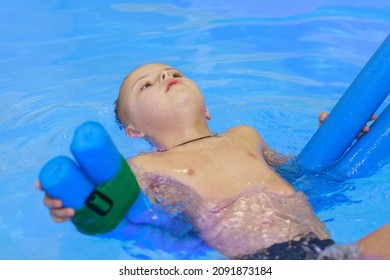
156	96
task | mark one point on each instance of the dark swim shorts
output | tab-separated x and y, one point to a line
306	248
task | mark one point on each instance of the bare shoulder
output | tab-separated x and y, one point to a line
143	160
248	134
242	130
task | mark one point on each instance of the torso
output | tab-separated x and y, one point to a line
235	200
217	167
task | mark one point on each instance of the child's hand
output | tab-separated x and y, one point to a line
58	214
324	115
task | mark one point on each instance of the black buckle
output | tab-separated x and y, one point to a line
93	206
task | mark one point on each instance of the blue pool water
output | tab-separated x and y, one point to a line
270	64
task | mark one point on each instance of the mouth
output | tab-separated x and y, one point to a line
170	84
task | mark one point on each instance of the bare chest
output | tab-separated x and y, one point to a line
221	172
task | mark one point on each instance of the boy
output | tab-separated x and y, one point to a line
223	183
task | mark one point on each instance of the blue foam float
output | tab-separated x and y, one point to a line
62	178
83	184
355	108
95	152
369	153
101	187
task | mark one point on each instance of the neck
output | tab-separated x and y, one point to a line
174	135
187	142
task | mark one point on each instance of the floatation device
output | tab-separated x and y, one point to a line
355	108
107	198
370	152
101	189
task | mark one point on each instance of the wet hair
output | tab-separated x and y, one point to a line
117	109
117	117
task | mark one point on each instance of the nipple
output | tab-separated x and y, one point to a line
187	171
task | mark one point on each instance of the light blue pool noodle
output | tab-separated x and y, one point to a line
369	152
61	178
95	152
360	101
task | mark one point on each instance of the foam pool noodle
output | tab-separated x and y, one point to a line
360	101
370	152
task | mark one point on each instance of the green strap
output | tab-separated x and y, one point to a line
106	206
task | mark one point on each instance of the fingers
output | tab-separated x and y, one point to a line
322	117
50	202
60	215
366	128
38	185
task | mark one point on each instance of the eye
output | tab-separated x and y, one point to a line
177	74
145	86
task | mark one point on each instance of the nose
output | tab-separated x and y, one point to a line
164	75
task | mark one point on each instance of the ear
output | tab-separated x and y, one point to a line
132	132
208	117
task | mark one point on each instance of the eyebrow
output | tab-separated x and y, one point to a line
144	76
